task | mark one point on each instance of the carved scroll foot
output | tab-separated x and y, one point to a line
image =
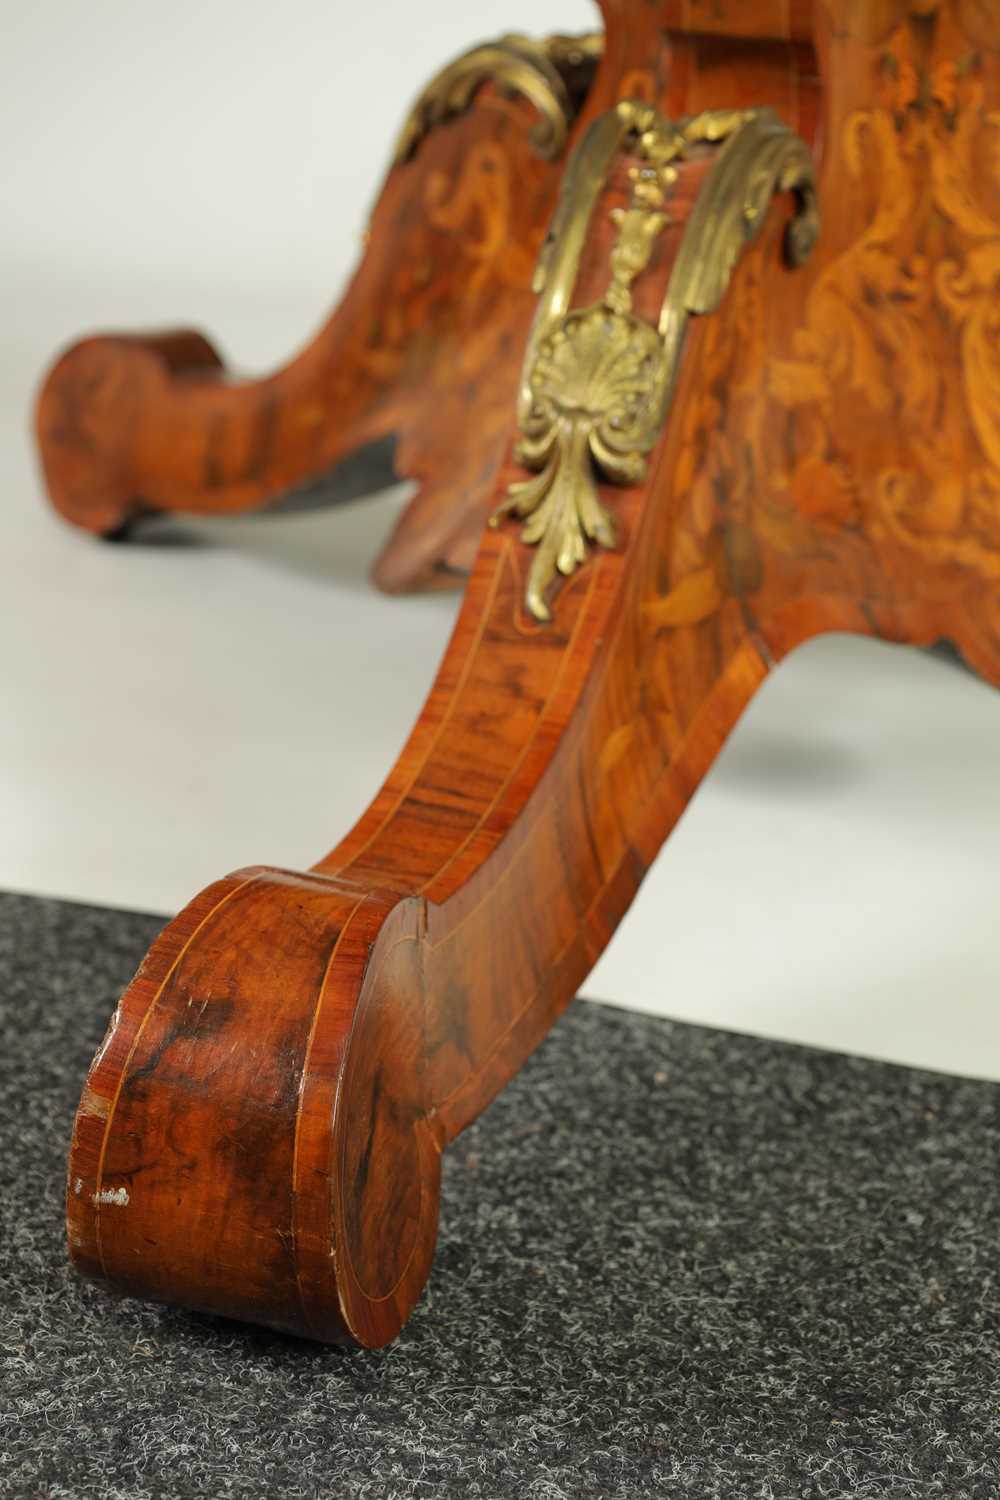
254	1138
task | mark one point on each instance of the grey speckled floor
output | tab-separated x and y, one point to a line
673	1262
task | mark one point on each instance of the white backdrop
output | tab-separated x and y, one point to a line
835	880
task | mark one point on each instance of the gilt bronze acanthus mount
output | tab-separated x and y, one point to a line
553	74
597	380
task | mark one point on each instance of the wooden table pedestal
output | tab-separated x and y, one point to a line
690	334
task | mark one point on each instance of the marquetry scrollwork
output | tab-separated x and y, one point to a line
553	74
900	334
597	380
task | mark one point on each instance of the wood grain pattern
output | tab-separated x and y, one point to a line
261	1133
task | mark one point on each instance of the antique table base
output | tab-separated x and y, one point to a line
596	306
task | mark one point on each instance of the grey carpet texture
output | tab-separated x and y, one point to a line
673	1262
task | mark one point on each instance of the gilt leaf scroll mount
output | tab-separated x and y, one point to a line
597	380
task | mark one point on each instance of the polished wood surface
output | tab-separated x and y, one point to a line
261	1132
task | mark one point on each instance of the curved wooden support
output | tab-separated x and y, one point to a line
430	329
428	338
261	1132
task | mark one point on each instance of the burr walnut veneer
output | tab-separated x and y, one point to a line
704	434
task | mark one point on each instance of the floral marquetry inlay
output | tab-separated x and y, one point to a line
920	281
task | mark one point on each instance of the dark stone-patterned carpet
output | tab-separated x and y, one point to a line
673	1263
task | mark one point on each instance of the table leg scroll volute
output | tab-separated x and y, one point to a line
725	444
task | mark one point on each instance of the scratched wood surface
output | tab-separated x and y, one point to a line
261	1133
